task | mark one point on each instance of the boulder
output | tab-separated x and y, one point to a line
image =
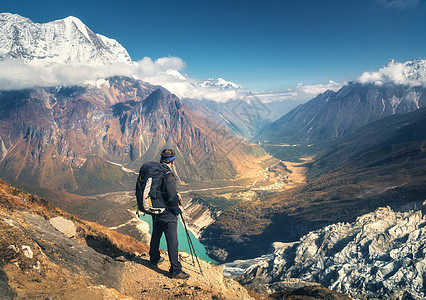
67	227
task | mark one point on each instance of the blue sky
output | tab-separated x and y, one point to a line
263	45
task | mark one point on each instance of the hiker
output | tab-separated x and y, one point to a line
164	208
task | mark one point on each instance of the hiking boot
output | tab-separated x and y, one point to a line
154	265
181	275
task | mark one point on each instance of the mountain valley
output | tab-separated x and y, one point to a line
77	138
389	173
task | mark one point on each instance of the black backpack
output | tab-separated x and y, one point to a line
148	188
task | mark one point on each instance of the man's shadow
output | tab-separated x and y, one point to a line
147	263
104	246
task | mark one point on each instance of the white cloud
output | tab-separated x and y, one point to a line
301	93
165	71
16	74
411	73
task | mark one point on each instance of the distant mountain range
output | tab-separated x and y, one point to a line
93	137
244	118
397	139
90	139
334	114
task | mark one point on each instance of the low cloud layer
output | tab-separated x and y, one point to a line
301	93
411	73
15	74
166	71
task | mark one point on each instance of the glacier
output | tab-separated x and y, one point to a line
380	255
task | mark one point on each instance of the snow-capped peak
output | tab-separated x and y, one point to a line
220	83
411	72
70	21
66	41
176	74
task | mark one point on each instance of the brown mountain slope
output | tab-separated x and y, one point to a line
38	261
90	139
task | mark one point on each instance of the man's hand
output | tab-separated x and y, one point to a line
179	198
180	205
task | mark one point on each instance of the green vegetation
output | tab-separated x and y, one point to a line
98	176
218	202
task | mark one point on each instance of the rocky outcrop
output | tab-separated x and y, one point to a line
77	257
199	215
6	292
379	255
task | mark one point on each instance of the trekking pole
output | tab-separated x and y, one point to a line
188	238
190	244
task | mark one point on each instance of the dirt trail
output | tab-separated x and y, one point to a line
140	281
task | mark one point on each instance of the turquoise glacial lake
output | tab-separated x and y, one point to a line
183	242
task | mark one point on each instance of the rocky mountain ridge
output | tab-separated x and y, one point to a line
380	255
334	114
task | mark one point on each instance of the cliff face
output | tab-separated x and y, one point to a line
47	253
199	215
93	138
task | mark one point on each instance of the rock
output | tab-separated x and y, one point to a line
6	292
65	226
217	253
27	251
64	251
121	258
309	292
380	255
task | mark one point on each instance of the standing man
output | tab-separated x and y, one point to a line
166	221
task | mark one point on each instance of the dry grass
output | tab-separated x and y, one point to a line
15	200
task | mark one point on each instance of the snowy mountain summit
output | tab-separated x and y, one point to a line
220	83
66	41
411	72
